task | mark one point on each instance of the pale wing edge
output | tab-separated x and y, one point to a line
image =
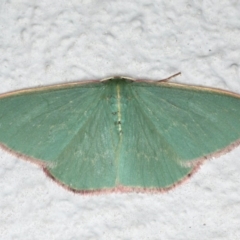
51	87
190	87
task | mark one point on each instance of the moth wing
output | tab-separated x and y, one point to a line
170	128
67	129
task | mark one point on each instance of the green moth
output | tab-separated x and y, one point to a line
119	134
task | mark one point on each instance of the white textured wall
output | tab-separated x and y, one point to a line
47	42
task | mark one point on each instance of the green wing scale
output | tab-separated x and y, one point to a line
119	134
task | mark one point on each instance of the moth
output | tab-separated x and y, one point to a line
119	134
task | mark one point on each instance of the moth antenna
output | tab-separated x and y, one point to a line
167	79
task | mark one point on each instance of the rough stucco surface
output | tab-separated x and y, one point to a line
47	42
